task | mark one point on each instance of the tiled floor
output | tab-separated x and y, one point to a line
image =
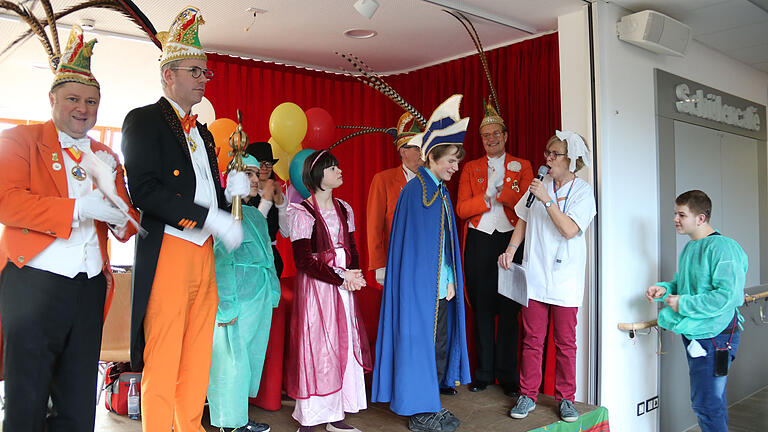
485	411
749	415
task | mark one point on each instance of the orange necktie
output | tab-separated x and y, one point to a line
189	122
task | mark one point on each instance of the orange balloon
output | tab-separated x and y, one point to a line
221	129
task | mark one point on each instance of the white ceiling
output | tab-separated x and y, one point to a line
737	28
411	33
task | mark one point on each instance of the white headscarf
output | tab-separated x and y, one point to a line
576	148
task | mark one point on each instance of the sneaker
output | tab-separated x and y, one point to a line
250	427
449	420
523	406
429	422
567	411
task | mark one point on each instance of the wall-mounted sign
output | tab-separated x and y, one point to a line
684	100
710	106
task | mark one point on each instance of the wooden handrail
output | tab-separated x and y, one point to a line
640	325
637	325
753	298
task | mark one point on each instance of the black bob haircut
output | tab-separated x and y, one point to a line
312	176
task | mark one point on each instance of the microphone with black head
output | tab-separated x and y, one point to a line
543	170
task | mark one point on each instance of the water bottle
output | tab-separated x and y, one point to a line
133	400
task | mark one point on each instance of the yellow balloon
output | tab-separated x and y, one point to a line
288	125
281	168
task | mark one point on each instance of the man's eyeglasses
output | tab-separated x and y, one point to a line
487	136
196	71
552	155
266	164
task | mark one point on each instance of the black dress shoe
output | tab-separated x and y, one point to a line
511	391
449	391
478	386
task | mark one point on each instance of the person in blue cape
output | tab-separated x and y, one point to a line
248	289
422	343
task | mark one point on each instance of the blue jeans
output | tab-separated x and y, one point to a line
707	390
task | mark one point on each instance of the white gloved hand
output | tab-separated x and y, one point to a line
94	206
380	272
237	184
98	170
493	180
500	180
118	231
225	228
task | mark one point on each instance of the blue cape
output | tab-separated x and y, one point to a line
405	372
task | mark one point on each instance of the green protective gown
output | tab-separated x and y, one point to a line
710	279
248	290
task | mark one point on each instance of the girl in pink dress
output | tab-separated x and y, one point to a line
328	350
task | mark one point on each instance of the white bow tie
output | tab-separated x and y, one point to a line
67	141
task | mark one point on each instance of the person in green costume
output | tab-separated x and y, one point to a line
248	289
703	299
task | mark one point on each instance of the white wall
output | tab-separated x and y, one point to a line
128	72
628	206
576	116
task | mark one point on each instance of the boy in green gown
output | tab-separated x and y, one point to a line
703	299
248	290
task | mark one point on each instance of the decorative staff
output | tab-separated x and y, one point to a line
238	141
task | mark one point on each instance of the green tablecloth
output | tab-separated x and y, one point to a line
594	421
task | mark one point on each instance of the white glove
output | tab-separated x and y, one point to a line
237	184
493	183
94	206
102	174
225	228
118	231
380	276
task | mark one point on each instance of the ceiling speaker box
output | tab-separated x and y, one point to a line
655	32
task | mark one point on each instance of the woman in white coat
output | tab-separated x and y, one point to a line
555	258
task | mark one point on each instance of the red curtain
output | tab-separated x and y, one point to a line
527	80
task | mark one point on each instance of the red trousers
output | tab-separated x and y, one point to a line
535	319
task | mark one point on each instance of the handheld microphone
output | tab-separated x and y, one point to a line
543	170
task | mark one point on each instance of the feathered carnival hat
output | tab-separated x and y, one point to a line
74	64
492	110
445	127
182	41
407	128
491	116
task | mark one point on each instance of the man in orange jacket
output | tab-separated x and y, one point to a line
489	188
53	252
384	192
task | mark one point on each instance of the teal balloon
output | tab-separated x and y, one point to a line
295	171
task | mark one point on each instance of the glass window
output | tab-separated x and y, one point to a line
117	139
95	134
4	126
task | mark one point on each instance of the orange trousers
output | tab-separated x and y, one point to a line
178	327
